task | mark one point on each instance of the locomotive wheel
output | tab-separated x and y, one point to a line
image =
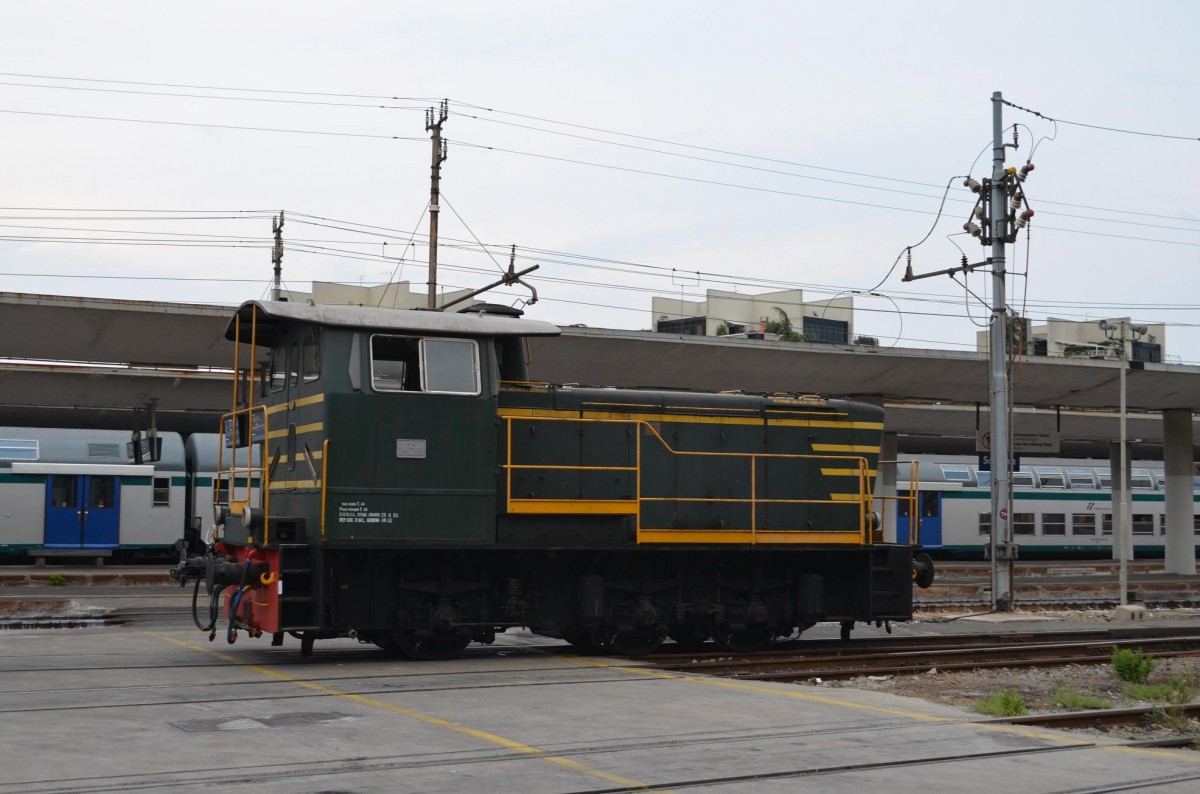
435	648
743	640
633	643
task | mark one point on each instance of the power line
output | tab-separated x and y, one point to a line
211	96
1100	127
213	126
530	127
217	87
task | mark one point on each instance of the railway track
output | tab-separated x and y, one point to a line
921	654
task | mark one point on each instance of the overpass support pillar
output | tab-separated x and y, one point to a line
1120	486
1180	551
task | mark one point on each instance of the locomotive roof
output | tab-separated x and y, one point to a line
273	314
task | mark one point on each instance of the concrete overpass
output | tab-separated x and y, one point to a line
88	362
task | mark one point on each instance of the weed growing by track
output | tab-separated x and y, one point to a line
1132	665
1002	704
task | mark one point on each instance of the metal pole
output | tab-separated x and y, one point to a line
277	255
1122	532
438	157
1002	568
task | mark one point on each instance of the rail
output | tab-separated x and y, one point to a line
859	502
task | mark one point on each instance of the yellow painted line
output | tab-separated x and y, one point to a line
280	485
317	454
1016	730
652	535
728	684
864	448
428	719
314	427
574	506
303	401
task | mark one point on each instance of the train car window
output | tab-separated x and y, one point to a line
451	366
18	449
395	363
929	505
294	364
311	356
1106	524
1196	524
1050	476
63	491
1105	477
955	472
102	492
1081	478
902	504
1083	524
1054	523
984	478
1023	476
1140	480
1143	523
1023	524
1160	478
162	492
277	368
985	523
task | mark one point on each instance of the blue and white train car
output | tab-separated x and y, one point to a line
68	490
1061	507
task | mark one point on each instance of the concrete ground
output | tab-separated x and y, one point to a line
152	705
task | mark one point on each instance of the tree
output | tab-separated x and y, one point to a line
783	327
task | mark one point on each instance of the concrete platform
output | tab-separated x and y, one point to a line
149	709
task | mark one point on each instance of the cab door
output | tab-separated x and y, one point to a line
82	511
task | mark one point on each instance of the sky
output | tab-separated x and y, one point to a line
629	149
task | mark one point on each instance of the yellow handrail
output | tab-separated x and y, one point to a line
861	500
324	480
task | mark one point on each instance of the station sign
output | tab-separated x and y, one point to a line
1039	441
985	461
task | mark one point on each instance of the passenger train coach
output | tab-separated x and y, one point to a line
74	491
1061	507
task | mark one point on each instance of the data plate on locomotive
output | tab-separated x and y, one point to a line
410	448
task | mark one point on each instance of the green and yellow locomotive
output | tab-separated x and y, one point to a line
394	476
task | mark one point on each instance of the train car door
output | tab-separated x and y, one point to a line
929	503
82	511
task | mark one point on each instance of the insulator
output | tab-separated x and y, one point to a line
979	212
973	184
1023	219
1017	200
1027	214
972	228
1023	174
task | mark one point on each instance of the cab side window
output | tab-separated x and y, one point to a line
434	365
